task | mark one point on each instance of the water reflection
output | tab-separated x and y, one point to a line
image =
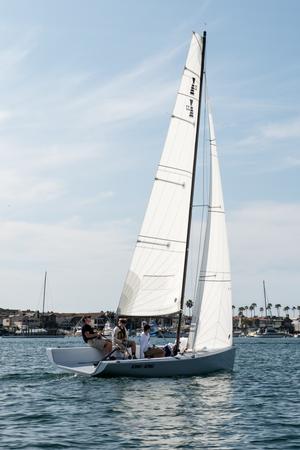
172	413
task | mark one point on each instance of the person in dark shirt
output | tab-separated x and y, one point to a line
94	338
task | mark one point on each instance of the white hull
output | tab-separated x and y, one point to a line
87	361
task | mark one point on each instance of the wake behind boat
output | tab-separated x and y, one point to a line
156	280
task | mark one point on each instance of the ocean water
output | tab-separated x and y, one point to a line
254	407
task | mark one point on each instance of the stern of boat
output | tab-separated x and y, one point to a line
81	360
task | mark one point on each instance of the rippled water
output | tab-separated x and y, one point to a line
255	407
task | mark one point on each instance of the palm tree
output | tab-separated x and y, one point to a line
254	305
189	304
233	309
294	310
278	306
241	310
286	309
298	307
246	309
269	308
251	308
261	309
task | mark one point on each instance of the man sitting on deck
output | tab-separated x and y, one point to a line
94	338
120	339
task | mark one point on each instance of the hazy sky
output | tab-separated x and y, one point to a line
86	93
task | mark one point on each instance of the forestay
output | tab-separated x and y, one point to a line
154	281
211	326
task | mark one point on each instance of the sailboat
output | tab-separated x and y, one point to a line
37	331
156	281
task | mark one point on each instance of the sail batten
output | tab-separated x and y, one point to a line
154	282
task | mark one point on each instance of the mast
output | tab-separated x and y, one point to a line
265	297
192	196
44	292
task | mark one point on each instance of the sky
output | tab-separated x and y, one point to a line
86	93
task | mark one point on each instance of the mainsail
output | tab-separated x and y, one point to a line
211	326
154	282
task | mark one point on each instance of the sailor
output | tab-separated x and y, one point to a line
94	338
146	350
120	339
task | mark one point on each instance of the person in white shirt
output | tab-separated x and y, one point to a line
144	340
146	351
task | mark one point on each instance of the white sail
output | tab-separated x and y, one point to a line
154	281
211	326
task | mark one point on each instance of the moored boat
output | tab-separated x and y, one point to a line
269	333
